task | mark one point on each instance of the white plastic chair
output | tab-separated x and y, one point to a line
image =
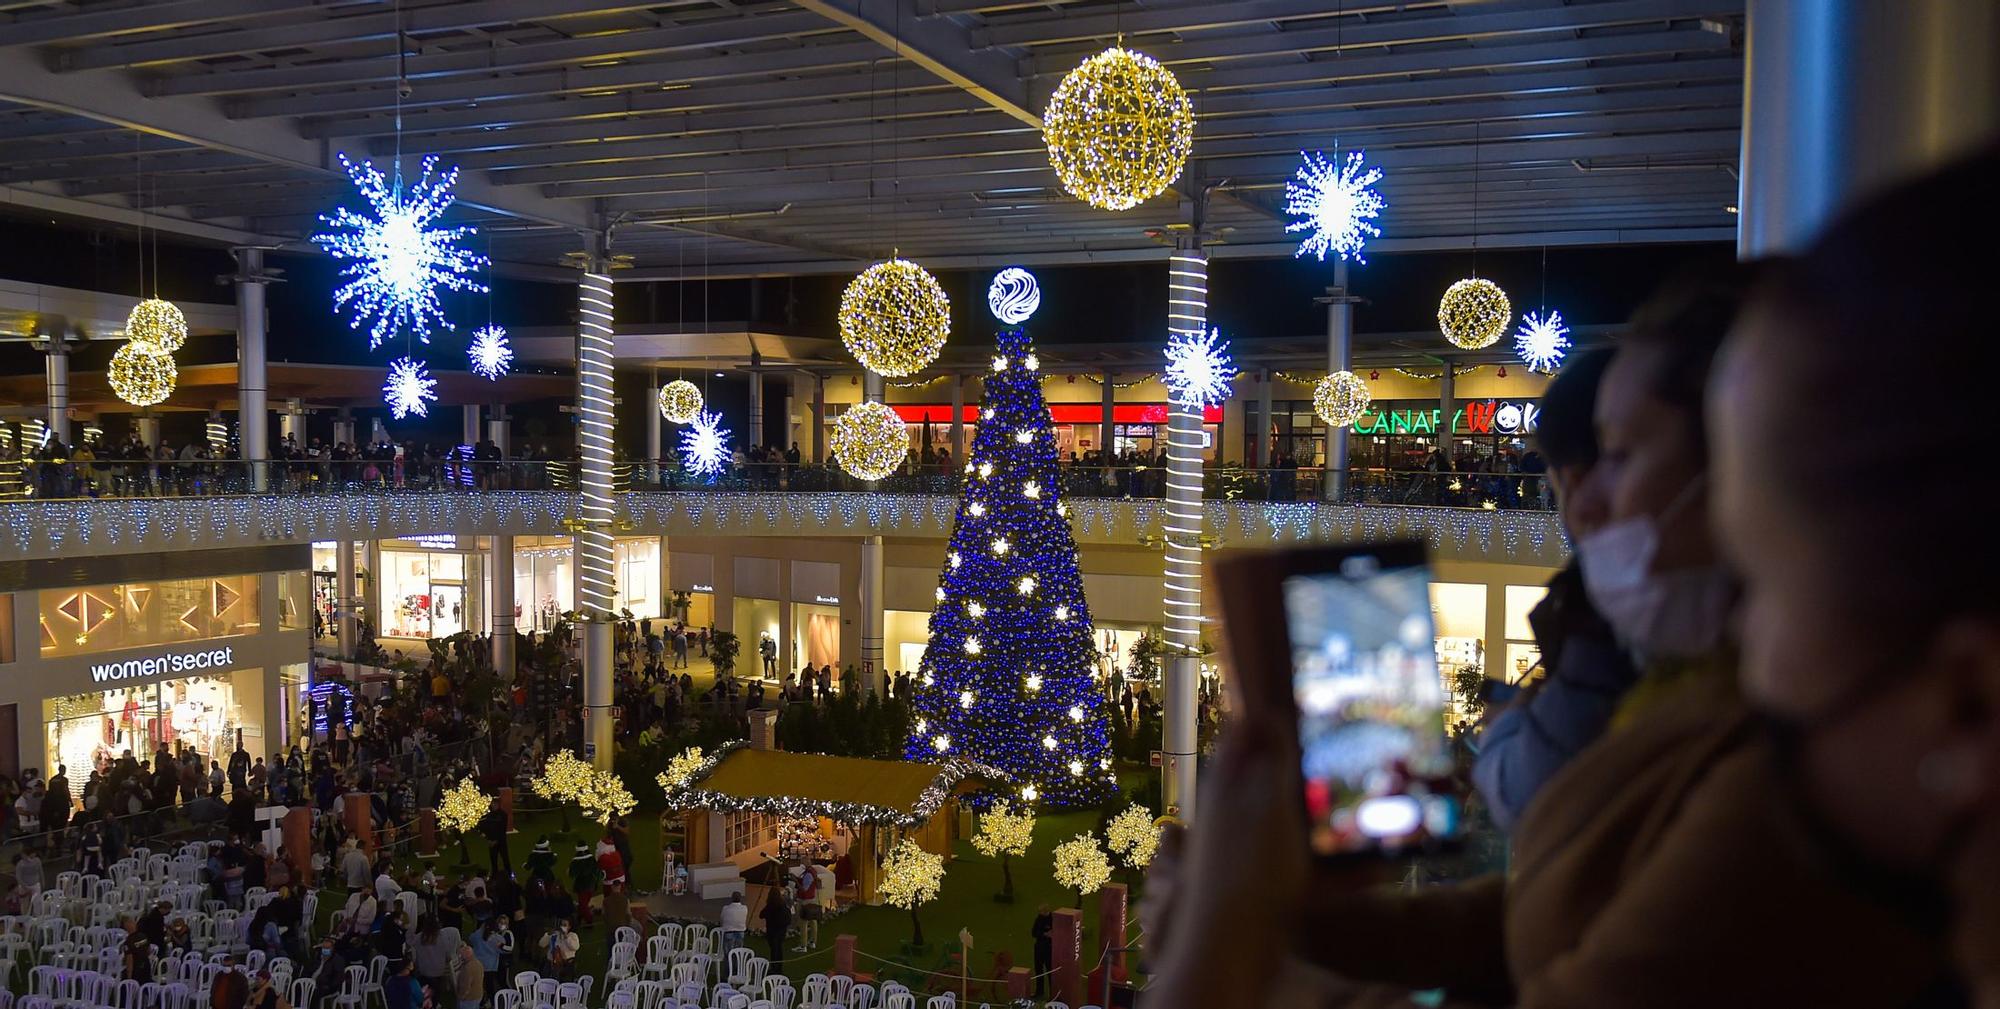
840	984
507	998
301	992
862	997
621	963
815	992
778	988
739	965
899	1000
945	1001
671	931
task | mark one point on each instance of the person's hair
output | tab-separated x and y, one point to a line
1685	321
1566	433
1886	479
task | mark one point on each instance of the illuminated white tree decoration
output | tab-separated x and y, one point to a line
489	353
410	388
400	257
1080	865
1542	341
1334	202
1013	296
705	445
1198	368
1134	836
681	769
911	878
1005	832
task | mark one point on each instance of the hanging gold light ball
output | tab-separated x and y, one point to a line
1340	398
157	322
870	441
142	374
680	401
1474	313
894	318
1119	128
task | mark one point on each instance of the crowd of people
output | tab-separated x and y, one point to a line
1761	768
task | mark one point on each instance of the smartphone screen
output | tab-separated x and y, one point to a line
1372	741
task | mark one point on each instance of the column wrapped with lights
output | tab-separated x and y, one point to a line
1007	676
1187	322
596	594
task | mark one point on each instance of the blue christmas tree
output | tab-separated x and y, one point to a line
1006	679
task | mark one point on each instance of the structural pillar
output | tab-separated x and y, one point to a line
1266	426
344	598
497	430
501	563
217	433
57	370
958	419
1339	357
343	428
1107	433
596	595
653	433
1447	407
1844	97
1187	312
292	423
819	419
754	435
870	600
148	426
253	424
468	426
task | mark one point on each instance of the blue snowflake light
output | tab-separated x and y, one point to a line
1542	341
400	257
489	353
1334	202
410	388
1198	369
705	445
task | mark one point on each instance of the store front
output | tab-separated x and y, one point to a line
691	580
431	587
1078	427
816	614
544	581
637	562
212	714
1396	434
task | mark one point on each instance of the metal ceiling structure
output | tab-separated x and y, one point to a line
747	137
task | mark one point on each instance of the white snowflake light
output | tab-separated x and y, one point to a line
965	698
1198	369
1013	296
705	444
1542	341
1334	202
1033	682
400	257
490	355
410	388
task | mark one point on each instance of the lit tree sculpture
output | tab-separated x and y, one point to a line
564	778
1134	836
1080	865
1005	832
1006	677
460	809
911	877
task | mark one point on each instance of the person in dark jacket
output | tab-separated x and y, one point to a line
777	915
493	827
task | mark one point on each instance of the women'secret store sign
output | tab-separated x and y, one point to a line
204	660
1493	416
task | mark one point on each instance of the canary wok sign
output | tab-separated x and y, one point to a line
1491	416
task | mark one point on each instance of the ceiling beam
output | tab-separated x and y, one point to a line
938	45
142	16
110	96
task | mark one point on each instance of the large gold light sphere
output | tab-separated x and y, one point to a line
894	318
158	323
870	441
1118	129
1474	313
680	401
1340	398
142	374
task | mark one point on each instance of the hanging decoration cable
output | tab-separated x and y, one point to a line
1474	312
142	371
1542	340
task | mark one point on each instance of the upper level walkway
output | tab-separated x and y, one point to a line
212	505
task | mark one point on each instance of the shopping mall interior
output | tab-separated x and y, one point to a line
367	353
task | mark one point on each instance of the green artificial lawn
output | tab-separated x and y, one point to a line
881	933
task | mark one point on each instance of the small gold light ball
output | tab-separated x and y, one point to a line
1340	398
1119	129
142	374
894	318
680	401
1474	313
870	441
158	323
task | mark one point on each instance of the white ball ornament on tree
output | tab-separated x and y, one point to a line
1474	313
142	374
1119	129
1013	296
870	441
894	318
1340	398
680	401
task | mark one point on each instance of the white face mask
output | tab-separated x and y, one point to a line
1670	614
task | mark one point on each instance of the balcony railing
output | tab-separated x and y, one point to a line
82	480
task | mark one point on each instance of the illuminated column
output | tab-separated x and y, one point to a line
595	589
819	419
1339	357
148	425
253	424
1447	405
344	598
1843	97
502	566
1187	312
468	433
217	433
57	359
292	423
343	427
870	601
653	449
957	420
755	435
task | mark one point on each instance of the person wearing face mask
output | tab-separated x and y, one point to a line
1586	670
1644	874
1871	638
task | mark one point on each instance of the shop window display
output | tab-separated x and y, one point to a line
544	588
428	594
87	731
